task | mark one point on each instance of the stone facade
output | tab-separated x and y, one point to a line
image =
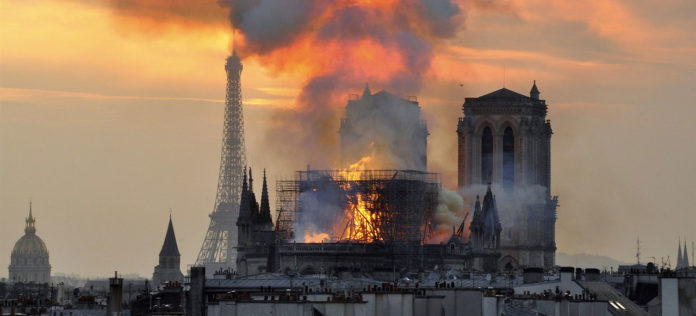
504	138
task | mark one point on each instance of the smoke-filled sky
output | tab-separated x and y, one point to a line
111	111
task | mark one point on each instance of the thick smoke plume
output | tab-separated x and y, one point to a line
337	46
449	214
333	46
387	128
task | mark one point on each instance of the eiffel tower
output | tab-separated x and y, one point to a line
219	247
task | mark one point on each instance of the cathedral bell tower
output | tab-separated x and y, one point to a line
506	135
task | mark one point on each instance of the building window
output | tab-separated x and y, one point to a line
486	154
508	158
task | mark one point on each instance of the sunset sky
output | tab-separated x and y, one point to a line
111	115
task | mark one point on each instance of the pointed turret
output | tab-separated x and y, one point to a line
534	93
170	247
244	210
686	257
485	226
367	92
477	211
253	204
265	211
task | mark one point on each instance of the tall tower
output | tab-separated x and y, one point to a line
218	250
506	137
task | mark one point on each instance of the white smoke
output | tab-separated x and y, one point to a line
512	205
449	211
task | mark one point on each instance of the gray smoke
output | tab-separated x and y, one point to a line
509	202
406	32
319	211
388	128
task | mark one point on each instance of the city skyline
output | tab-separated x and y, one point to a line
124	124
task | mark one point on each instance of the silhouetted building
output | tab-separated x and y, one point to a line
168	269
29	261
255	241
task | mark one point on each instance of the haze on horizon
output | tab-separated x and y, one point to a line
108	121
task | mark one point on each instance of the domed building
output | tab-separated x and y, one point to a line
29	261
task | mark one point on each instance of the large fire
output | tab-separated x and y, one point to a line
360	224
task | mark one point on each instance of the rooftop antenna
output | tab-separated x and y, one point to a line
638	250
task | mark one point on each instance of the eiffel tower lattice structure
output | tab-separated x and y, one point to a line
219	247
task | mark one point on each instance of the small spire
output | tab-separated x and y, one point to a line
251	181
679	255
265	210
534	93
686	256
367	92
30	228
490	178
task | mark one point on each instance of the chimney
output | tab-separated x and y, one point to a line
196	292
591	274
567	274
533	275
115	303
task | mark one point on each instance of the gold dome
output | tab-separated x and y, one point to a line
31	245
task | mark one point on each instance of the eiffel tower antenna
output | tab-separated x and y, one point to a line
234	40
219	246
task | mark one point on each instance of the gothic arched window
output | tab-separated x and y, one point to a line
486	154
508	158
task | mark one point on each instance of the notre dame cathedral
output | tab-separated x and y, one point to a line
504	138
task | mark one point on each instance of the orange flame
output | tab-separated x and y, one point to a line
312	237
362	223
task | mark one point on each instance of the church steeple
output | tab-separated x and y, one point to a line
170	247
168	269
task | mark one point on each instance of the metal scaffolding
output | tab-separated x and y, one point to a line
389	206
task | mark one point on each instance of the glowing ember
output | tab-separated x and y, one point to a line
311	237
